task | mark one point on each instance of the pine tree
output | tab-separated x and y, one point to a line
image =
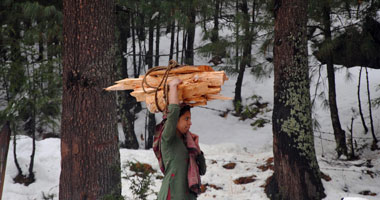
90	160
296	171
30	60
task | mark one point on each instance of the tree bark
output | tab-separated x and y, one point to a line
296	171
189	52
339	133
5	136
90	160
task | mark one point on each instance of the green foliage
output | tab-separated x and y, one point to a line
141	179
252	110
260	122
30	60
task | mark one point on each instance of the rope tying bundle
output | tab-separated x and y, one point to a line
163	83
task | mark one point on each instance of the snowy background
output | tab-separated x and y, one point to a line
228	139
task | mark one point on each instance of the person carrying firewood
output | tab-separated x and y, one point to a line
178	152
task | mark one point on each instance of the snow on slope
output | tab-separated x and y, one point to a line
228	139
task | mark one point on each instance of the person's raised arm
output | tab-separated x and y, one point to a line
169	132
173	91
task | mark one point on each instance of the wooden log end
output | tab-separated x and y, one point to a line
217	97
118	86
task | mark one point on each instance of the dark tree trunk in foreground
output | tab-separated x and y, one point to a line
296	171
90	165
339	133
5	136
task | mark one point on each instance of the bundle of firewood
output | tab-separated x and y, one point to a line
199	85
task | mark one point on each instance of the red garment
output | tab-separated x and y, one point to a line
168	197
193	176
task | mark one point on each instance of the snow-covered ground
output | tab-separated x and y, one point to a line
228	139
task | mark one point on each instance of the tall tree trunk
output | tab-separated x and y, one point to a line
339	133
141	62
246	59
133	27
90	159
189	52
374	142
32	132
177	44
157	58
151	116
184	39
237	47
127	101
360	103
172	39
296	171
215	30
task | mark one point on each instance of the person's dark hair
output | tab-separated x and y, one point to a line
184	109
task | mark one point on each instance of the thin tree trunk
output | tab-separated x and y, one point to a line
237	37
172	39
157	59
215	30
339	133
127	101
374	142
151	117
31	178
360	103
19	170
134	46
90	159
296	171
140	59
352	153
177	44
189	52
184	38
246	59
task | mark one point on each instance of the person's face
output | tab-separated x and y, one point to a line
184	122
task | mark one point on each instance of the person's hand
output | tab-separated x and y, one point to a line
196	139
174	83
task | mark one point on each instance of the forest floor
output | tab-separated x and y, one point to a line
228	141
